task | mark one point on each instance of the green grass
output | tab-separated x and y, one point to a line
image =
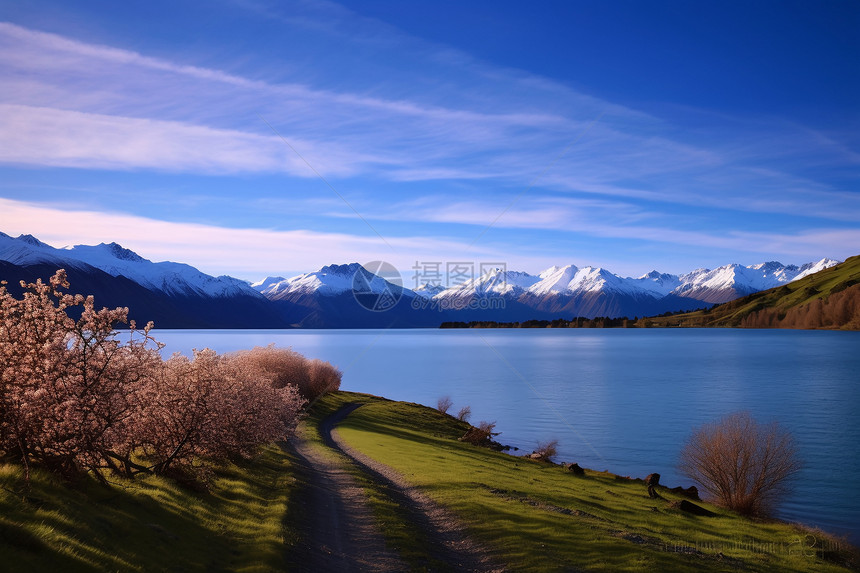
817	286
532	516
150	524
538	517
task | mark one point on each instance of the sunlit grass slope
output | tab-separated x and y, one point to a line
530	515
150	524
539	517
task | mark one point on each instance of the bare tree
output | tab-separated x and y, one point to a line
483	434
745	466
464	414
444	404
545	451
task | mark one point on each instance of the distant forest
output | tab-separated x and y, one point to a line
579	322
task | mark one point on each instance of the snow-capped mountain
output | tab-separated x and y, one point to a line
496	282
659	283
427	290
263	285
571	280
344	296
594	291
173	295
168	277
705	285
557	292
328	281
733	281
177	295
724	283
812	268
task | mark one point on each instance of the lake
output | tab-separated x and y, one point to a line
617	399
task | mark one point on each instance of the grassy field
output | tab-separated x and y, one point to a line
539	517
532	516
150	524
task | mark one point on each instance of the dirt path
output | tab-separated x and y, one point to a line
341	533
341	517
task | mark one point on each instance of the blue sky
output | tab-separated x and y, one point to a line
255	138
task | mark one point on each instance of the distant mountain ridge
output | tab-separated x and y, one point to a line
829	298
177	295
115	260
702	284
558	292
173	295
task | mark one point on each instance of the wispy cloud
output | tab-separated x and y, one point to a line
60	138
504	125
247	252
411	132
606	219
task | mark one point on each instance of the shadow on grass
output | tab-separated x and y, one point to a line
144	525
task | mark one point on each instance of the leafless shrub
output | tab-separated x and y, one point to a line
480	435
743	465
322	378
212	407
284	367
546	451
488	427
464	414
444	404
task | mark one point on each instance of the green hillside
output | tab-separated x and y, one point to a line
535	516
529	515
828	299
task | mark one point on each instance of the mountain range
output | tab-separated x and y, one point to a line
176	295
173	295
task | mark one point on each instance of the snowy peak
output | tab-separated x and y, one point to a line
555	269
717	285
266	283
730	281
319	281
106	255
660	284
330	280
596	279
348	270
27	250
769	267
173	278
427	290
556	289
812	268
494	282
554	280
123	254
170	278
31	240
571	281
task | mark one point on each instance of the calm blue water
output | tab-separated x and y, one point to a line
622	400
